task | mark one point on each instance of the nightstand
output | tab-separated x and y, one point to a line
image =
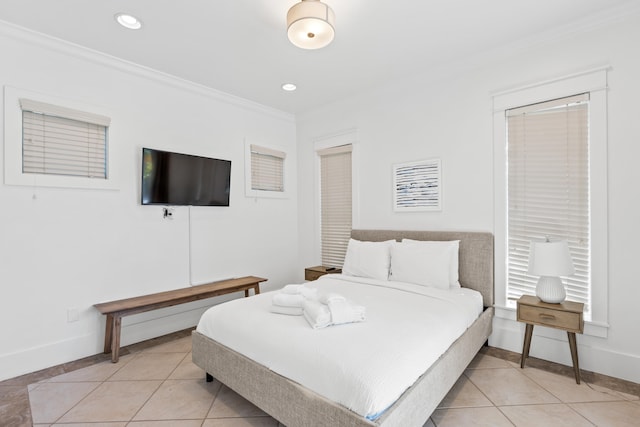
312	273
566	315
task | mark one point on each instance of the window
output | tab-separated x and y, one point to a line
335	203
267	169
56	142
550	179
62	141
548	189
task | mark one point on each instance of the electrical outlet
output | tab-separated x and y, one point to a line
72	315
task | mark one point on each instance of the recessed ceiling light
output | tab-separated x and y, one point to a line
128	21
289	87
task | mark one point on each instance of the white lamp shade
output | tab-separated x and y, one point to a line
550	259
310	24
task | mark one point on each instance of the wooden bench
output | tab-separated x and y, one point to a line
116	310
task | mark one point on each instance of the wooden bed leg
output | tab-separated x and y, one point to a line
209	377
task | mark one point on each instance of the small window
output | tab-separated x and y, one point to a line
61	141
265	171
51	141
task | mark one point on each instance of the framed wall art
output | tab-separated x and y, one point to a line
417	186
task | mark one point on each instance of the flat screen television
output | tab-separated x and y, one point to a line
183	179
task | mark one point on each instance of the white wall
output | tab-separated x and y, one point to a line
448	115
66	249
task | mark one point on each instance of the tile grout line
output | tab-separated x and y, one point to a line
619	396
155	391
48	380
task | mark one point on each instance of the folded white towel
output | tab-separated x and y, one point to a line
342	311
327	297
317	314
291	311
288	300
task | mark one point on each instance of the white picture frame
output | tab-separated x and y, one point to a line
417	186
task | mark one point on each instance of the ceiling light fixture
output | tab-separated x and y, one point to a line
289	87
310	24
128	21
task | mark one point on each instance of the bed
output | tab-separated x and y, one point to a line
282	396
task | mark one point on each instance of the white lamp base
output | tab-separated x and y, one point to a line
550	289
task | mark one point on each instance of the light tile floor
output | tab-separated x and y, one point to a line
160	386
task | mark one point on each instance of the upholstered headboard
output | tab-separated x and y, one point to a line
475	257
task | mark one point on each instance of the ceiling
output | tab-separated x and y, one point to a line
240	46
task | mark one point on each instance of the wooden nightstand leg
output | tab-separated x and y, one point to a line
574	355
527	343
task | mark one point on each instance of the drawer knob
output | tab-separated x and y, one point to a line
547	316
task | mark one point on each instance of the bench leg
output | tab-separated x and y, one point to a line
256	288
246	293
108	334
115	341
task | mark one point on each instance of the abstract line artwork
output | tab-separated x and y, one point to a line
417	186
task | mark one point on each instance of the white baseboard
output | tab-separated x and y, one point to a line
135	329
552	344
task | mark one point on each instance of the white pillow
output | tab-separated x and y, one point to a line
424	265
453	248
367	259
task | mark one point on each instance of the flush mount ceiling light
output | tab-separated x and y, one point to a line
310	24
128	21
289	87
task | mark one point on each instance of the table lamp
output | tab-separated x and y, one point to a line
549	260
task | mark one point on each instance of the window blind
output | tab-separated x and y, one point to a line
62	141
267	169
548	189
335	194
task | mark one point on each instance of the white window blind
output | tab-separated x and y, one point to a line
62	141
548	189
335	194
267	169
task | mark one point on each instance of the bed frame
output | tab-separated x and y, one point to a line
293	405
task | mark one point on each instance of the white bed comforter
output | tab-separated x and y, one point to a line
363	366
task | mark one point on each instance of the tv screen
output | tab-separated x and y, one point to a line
182	179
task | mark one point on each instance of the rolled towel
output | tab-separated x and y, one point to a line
288	300
291	289
309	293
342	311
328	297
317	314
291	311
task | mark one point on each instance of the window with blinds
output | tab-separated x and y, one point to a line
335	203
267	169
548	189
62	141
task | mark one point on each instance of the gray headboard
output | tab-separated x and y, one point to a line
475	257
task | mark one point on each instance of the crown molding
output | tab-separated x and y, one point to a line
64	47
